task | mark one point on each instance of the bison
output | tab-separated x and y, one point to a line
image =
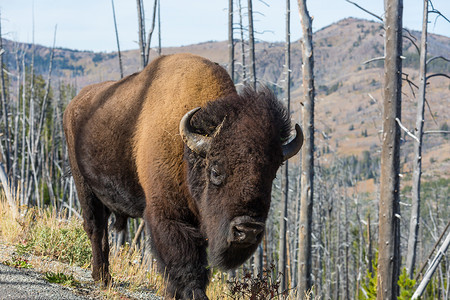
177	145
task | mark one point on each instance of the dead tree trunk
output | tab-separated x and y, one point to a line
337	252
258	256
389	212
285	200
230	40
426	261
241	29
140	11
251	34
29	141
119	54
369	246
433	265
346	249
23	176
5	116
150	33
418	132
306	199
159	27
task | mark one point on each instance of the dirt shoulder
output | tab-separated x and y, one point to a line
23	277
18	283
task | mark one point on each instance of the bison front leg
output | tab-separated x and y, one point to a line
181	254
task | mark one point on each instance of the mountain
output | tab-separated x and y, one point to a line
349	92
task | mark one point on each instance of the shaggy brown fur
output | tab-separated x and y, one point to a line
127	157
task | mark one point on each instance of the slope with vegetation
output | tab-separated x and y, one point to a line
348	90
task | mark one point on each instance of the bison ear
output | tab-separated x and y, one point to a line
295	145
198	143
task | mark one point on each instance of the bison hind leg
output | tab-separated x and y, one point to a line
100	249
95	217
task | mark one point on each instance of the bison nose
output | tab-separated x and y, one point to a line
246	233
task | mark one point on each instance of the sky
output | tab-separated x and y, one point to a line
88	24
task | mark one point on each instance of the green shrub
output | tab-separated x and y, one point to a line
61	278
406	286
369	285
60	238
18	263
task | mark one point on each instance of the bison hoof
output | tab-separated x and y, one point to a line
196	294
104	278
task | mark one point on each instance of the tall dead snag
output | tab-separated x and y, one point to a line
230	40
251	34
159	27
389	212
285	200
5	171
418	132
140	11
144	47
306	198
258	256
241	30
150	33
117	39
4	109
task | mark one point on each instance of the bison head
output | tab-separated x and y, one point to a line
235	146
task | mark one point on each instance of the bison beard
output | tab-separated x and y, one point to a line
200	177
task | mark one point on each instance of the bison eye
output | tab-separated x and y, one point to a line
217	176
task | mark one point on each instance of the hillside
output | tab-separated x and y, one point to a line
349	93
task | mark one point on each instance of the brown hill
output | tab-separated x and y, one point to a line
349	93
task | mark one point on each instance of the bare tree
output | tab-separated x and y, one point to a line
6	186
46	96
258	256
241	30
4	172
306	199
433	265
417	136
150	33
29	140
144	46
251	38
418	131
141	25
159	27
389	213
119	54
285	200
6	137
230	40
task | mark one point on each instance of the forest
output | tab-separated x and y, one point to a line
361	213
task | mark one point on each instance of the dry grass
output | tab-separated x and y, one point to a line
54	243
11	231
130	270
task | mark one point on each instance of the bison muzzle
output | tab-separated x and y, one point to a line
177	145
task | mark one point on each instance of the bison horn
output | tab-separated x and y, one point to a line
198	143
295	145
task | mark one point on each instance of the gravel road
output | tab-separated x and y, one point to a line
27	284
